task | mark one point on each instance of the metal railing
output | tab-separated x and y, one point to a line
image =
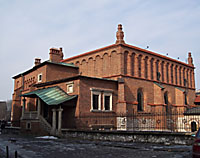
176	121
30	115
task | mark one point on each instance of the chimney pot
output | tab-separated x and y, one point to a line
37	61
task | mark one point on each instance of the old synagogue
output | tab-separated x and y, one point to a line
117	87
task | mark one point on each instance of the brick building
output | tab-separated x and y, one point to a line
3	110
110	82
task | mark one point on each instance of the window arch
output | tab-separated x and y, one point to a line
140	100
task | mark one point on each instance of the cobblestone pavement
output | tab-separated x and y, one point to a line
30	147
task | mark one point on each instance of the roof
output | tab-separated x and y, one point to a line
44	63
197	99
193	111
159	85
51	95
180	89
90	52
129	46
70	79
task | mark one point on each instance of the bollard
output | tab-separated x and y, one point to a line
7	152
15	154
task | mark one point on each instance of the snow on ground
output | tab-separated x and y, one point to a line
47	137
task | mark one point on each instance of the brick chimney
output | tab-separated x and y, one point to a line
55	55
190	60
37	61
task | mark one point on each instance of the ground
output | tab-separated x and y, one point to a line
32	147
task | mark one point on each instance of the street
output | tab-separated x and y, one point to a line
32	147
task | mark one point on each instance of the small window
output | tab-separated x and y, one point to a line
96	101
40	78
70	88
107	101
28	125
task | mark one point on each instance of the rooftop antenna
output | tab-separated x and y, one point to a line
147	47
178	58
167	54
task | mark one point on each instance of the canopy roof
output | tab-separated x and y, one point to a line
51	95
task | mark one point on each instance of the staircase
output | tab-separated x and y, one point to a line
45	125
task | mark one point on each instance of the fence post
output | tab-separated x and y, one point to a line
7	152
15	154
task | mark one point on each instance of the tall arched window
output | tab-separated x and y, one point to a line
172	74
176	79
162	71
125	62
140	100
185	97
152	69
132	64
184	83
166	101
180	76
146	67
167	72
139	65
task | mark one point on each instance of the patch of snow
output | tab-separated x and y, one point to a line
47	137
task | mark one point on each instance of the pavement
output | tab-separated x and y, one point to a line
32	147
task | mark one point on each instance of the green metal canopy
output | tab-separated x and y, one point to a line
51	95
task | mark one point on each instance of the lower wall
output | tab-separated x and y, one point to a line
34	128
166	138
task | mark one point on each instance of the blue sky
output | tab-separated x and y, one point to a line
29	28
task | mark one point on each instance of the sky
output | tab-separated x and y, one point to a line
29	28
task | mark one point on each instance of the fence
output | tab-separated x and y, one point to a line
177	121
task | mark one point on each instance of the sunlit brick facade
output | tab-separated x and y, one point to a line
119	79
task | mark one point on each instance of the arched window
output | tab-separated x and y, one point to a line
172	74
162	71
167	72
139	65
146	67
152	69
132	64
180	76
176	79
185	97
166	101
193	126
140	100
125	62
157	71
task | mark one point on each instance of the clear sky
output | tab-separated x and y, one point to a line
28	28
